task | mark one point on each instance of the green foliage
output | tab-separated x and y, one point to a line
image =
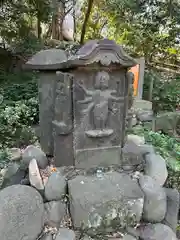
18	111
166	91
168	148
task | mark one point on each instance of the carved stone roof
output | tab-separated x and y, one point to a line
103	51
49	59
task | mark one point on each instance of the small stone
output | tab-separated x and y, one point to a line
155	167
21	213
157	231
65	234
138	140
155	204
171	218
11	170
33	152
134	121
34	175
55	188
15	154
55	211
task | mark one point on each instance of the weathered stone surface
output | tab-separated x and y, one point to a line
11	170
131	154
47	236
171	216
155	204
13	175
138	140
90	202
157	232
15	154
65	234
46	59
55	188
128	237
46	87
62	124
34	175
145	116
33	152
100	103
54	213
167	122
155	167
21	213
140	104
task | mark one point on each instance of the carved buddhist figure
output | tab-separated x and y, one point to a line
100	105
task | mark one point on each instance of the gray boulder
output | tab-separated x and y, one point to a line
33	152
34	175
91	203
155	204
145	115
55	211
171	218
65	234
157	232
15	154
14	174
55	188
138	140
21	213
155	167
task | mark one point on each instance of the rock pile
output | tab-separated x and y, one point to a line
68	204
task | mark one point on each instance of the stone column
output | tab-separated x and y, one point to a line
62	124
46	86
46	62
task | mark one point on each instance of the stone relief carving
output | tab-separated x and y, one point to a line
100	105
63	103
130	79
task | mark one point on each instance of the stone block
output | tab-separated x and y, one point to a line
55	188
155	167
34	175
140	104
55	211
91	202
157	231
171	217
155	203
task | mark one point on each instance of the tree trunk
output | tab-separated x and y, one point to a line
38	25
57	21
88	12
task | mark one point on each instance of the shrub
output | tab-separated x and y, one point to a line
19	110
168	148
165	94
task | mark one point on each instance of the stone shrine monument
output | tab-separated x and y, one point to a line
105	183
87	97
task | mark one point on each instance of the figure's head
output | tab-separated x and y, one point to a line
102	80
